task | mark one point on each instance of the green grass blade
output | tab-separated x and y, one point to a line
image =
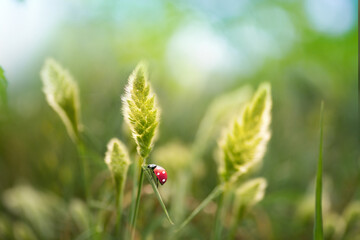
137	204
81	150
3	86
153	184
217	190
218	219
133	196
318	223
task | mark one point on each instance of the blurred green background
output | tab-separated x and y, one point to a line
196	51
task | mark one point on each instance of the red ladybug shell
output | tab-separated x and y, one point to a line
161	174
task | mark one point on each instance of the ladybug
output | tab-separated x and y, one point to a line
159	172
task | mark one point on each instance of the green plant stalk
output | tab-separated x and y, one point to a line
236	220
148	232
3	87
85	174
136	210
214	193
84	165
133	196
318	223
153	184
218	225
118	204
178	197
178	201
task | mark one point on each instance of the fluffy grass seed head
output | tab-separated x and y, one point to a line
117	160
62	94
141	111
243	145
251	192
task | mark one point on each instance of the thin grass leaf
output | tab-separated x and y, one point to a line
153	184
62	94
133	196
137	203
218	217
318	223
214	194
3	86
176	157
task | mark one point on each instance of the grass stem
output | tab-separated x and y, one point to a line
136	210
133	196
118	204
156	191
218	225
318	223
85	177
85	169
237	219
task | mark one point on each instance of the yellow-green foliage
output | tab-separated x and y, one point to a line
352	219
5	227
62	94
244	143
174	155
334	226
251	192
219	112
352	211
3	86
80	214
141	111
40	209
23	232
117	159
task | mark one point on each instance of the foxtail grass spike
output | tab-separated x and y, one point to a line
141	111
62	95
251	192
244	144
117	160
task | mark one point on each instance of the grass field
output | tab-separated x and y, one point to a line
225	96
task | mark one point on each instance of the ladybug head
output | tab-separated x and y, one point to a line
152	166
